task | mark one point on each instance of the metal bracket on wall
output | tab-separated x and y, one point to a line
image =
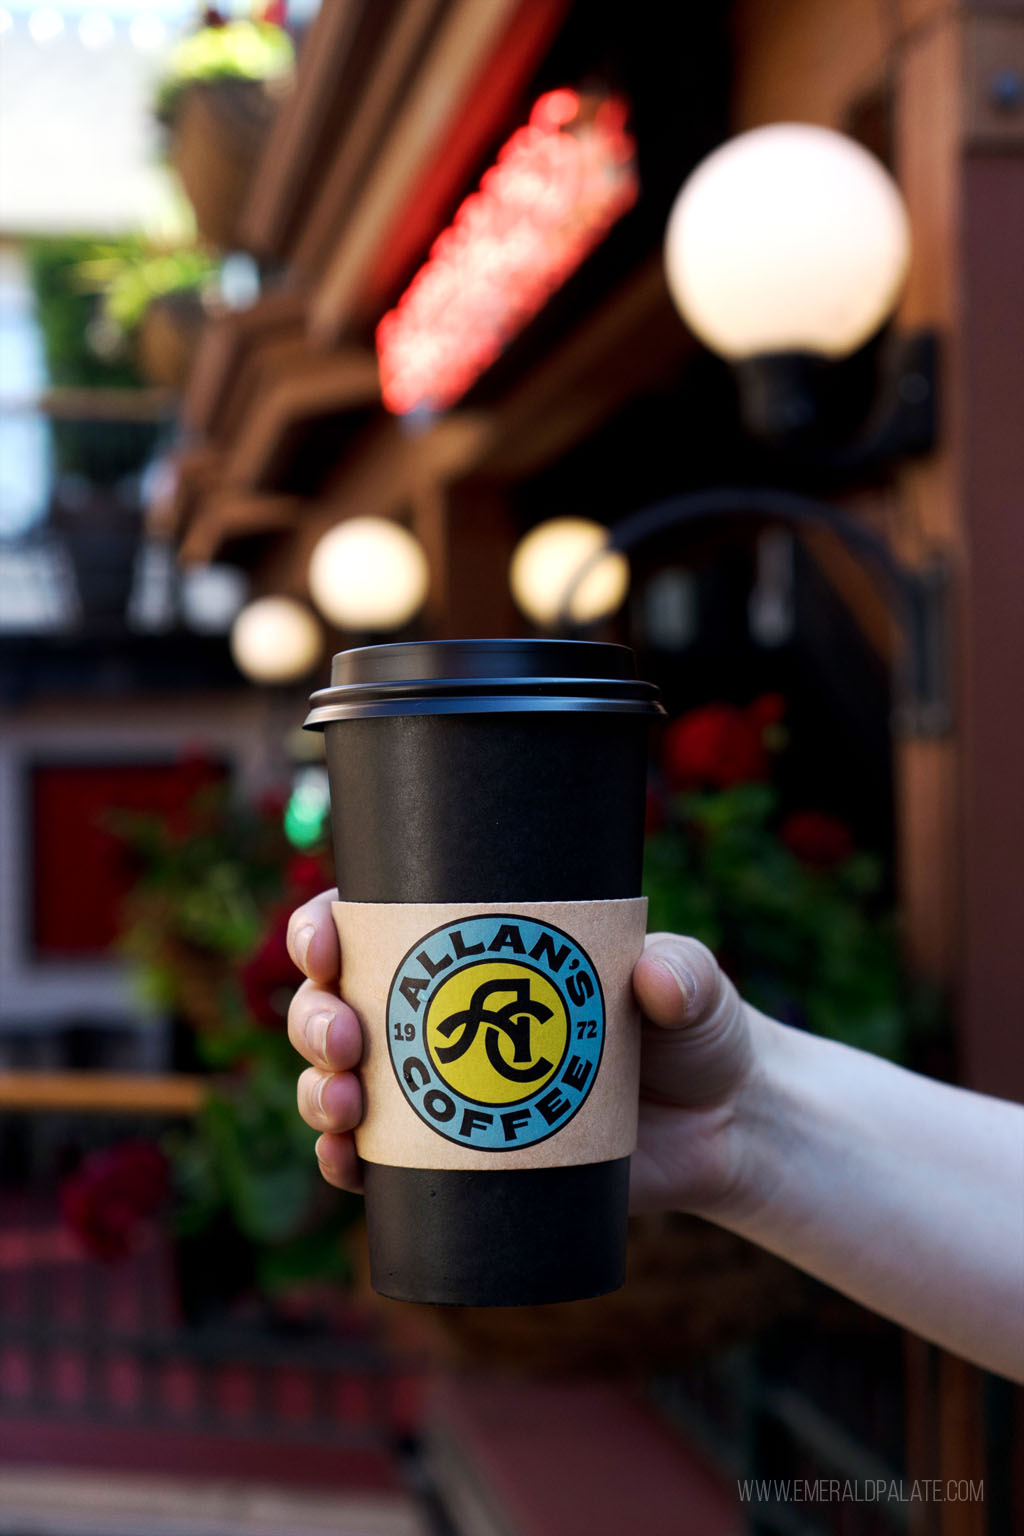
917	596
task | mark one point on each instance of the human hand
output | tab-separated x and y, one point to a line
698	1064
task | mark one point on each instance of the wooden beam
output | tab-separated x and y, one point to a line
227	342
632	343
323	384
404	39
804	60
193	470
70	404
101	1093
928	128
298	127
226	515
856	588
466	40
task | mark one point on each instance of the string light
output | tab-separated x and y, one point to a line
45	25
96	30
147	33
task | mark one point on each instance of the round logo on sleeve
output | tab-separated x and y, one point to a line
495	1028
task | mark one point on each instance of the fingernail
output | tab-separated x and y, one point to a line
317	1030
683	978
318	1092
299	944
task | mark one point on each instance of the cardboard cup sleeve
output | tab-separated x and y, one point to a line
496	1035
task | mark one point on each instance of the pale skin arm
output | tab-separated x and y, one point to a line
904	1193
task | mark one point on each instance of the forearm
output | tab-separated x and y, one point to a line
904	1193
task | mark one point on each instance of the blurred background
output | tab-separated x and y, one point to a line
330	323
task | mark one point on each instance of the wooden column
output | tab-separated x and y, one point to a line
958	158
957	150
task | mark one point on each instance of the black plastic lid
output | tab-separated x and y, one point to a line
446	677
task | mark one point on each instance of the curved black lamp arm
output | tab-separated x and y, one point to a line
917	597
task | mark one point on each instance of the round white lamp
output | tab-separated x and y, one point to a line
547	561
369	573
787	239
276	640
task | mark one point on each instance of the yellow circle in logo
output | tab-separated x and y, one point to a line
497	1031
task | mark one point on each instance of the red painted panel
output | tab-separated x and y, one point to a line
80	870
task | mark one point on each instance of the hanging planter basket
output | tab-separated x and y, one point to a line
218	132
168	336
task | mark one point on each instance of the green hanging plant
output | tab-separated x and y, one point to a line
233	50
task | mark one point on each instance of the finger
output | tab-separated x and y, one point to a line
313	939
323	1029
697	1045
339	1164
677	980
329	1101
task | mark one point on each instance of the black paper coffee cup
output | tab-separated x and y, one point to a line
487	811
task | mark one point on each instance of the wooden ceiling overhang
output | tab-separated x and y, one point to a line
394	106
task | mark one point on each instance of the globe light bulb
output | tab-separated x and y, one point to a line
789	238
276	640
369	573
545	566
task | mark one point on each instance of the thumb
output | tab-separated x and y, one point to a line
697	1044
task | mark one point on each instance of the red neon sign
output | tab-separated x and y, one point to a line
555	190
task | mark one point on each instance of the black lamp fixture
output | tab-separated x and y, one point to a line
786	251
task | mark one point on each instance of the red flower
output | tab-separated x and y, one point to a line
718	746
306	877
271	804
111	1194
817	839
269	976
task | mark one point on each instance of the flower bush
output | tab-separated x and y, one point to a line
795	912
207	922
112	1195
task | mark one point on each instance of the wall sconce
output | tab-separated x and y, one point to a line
786	251
276	640
369	574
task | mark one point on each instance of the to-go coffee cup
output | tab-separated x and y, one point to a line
487	809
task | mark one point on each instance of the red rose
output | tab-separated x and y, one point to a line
717	746
817	839
111	1194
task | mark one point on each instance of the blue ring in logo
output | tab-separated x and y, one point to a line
496	1029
